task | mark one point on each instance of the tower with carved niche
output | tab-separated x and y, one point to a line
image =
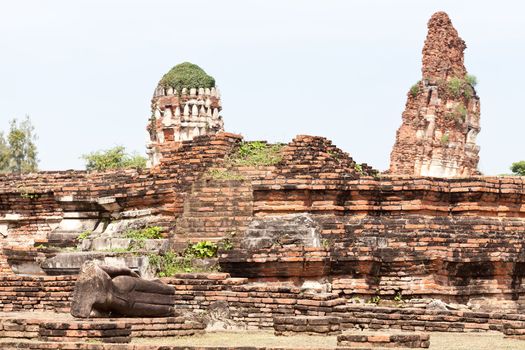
185	104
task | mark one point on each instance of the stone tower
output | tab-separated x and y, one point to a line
180	113
441	117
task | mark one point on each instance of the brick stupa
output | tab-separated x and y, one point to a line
181	115
441	117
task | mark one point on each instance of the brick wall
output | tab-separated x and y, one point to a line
32	205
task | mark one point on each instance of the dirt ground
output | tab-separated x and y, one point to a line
438	341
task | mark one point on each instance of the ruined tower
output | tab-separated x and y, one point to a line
441	117
185	104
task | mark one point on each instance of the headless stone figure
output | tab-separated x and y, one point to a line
103	290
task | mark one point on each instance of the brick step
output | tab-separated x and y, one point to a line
384	340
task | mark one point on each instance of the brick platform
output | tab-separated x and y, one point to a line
360	341
411	319
314	325
256	305
92	346
36	293
111	330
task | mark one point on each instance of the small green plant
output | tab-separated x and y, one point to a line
376	299
326	243
226	244
29	195
223	174
257	153
455	86
414	90
444	139
468	92
152	232
84	235
471	79
459	114
139	237
359	168
28	192
335	155
119	250
172	263
40	246
136	245
398	297
203	249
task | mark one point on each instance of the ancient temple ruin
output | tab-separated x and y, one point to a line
298	238
441	117
181	115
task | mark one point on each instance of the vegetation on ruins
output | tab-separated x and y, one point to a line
171	262
18	151
226	244
459	114
518	168
203	250
326	243
398	297
187	75
84	235
153	232
471	79
444	139
456	87
223	174
376	299
414	90
113	158
359	169
28	192
256	153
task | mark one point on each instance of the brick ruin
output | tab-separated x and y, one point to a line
181	115
437	246
441	117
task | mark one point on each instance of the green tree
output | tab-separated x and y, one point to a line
518	168
187	75
18	151
113	158
4	154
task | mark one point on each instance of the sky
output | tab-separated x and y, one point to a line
85	71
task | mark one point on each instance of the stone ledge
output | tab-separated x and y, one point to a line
107	330
93	346
314	325
384	340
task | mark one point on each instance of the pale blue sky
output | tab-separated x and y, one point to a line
85	71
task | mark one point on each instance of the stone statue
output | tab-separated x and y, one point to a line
103	290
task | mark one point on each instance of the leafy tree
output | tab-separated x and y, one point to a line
187	75
518	168
18	151
113	158
4	154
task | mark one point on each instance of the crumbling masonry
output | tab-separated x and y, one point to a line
307	234
441	118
